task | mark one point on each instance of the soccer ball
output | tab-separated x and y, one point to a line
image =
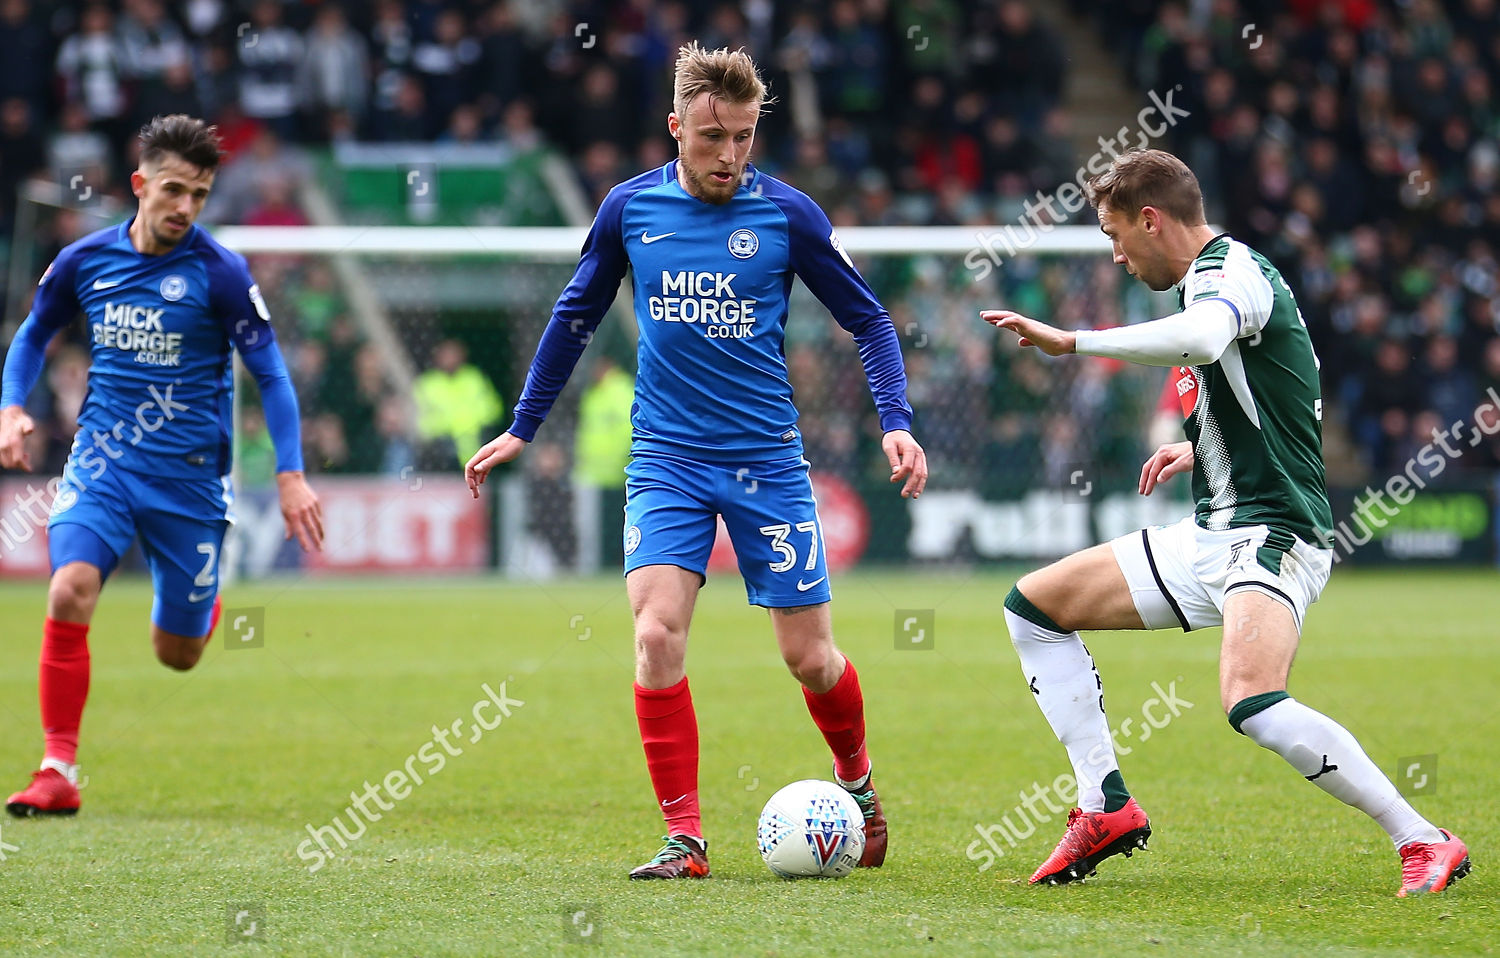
811	829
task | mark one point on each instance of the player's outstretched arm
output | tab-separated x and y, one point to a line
502	449
1049	339
1197	335
908	462
1165	463
301	510
15	426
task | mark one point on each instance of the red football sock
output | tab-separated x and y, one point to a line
213	619
669	734
64	686
839	714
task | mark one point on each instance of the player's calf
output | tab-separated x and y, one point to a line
180	652
180	634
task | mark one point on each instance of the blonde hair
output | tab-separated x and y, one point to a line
727	74
1149	178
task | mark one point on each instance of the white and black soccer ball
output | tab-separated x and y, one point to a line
811	829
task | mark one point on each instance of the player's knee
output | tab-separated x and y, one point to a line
1032	600
657	642
71	595
1238	685
814	665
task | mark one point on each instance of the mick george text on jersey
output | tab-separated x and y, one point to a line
708	298
138	329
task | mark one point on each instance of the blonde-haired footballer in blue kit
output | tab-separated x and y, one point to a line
713	246
1246	559
165	306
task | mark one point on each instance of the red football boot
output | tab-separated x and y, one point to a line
1432	866
875	829
1092	837
50	793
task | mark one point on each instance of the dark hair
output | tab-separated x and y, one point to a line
1149	178
186	136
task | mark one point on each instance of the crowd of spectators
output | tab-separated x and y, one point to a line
1353	142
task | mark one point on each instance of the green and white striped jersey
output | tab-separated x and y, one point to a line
1256	426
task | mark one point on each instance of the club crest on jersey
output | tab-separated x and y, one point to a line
173	288
632	539
743	244
66	498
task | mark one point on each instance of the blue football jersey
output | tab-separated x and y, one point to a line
160	330
711	284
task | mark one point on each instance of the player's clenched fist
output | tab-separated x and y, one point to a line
503	448
1165	463
15	426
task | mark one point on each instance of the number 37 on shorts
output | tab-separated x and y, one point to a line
671	510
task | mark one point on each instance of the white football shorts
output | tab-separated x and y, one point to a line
1180	574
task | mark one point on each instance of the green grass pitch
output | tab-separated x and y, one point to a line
201	785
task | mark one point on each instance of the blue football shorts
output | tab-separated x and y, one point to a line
671	510
181	524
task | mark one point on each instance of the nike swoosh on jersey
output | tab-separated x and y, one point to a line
804	586
101	284
199	596
648	240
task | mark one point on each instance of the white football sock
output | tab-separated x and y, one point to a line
1061	674
1323	751
859	784
69	770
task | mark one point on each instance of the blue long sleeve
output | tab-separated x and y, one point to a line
279	402
23	363
577	314
823	266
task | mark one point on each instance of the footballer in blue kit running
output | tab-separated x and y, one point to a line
165	305
713	246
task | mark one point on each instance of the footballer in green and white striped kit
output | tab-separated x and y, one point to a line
1249	559
1255	426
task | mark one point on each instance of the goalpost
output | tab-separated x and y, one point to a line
564	242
